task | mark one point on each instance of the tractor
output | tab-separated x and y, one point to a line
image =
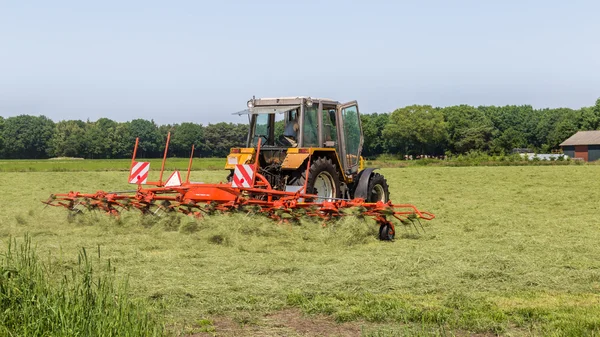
317	140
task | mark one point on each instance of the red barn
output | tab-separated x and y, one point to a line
584	145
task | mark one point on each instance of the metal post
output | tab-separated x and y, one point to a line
256	161
137	140
162	167
187	178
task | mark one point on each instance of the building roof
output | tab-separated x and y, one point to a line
583	138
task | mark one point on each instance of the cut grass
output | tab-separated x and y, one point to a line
513	251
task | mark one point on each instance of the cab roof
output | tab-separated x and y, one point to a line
292	100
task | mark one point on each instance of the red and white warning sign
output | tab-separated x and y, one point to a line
243	176
139	172
174	180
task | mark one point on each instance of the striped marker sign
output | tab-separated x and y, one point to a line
243	176
139	172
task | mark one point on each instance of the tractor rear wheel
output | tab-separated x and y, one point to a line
323	179
378	189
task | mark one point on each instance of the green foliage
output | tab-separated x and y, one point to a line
412	130
416	129
184	136
2	155
38	300
27	136
68	139
150	138
373	126
106	138
221	137
468	129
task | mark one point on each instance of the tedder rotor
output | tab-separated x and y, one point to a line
302	159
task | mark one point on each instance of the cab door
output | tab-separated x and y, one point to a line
350	136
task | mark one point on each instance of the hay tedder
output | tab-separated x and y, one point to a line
302	159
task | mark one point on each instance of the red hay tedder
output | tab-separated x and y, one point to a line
288	179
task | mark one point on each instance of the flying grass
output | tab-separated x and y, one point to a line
513	251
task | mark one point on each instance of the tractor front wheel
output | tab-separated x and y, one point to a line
378	189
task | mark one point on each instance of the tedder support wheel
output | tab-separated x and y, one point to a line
378	189
386	232
323	179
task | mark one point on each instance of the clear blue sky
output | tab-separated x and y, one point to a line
200	61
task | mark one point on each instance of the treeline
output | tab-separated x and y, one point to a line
427	130
31	137
412	130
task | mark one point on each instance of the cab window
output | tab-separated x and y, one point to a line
352	134
329	127
261	129
310	126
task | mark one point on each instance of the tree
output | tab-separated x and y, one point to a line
416	129
68	139
99	138
507	141
221	137
2	155
515	126
27	136
590	117
567	123
468	129
184	136
150	138
372	126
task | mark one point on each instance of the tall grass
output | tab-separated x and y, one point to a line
82	302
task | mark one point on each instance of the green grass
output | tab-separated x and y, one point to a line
75	165
100	165
513	251
40	298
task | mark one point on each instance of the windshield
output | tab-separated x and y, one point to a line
268	124
261	129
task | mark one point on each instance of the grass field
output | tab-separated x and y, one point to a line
514	251
78	165
75	165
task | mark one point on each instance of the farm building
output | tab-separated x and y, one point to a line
584	145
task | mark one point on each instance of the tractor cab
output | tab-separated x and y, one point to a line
304	138
304	122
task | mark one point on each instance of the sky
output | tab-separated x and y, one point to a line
200	61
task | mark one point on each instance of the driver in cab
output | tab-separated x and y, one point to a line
291	130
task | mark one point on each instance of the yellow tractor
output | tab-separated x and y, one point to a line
314	139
